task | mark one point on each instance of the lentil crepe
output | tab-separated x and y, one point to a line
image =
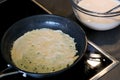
43	51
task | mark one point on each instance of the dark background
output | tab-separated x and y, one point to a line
10	12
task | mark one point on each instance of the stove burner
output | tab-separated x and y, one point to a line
98	62
94	64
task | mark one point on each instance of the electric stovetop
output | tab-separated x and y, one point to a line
94	64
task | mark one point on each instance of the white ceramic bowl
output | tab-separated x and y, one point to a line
96	20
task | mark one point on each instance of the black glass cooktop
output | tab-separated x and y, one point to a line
94	64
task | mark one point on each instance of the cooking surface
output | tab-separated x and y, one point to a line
107	40
14	10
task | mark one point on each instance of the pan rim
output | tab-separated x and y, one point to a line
85	47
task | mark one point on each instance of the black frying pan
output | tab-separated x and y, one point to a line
43	21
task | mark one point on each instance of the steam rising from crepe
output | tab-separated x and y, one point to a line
43	51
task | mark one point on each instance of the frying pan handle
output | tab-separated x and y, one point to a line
2	74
